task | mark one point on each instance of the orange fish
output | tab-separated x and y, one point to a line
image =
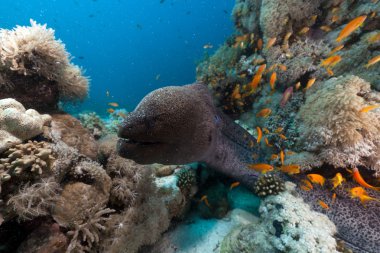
266	131
291	169
267	142
290	152
310	83
360	180
236	92
330	72
282	136
337	180
336	49
333	198
255	81
264	113
259	134
304	30
334	18
374	38
314	18
261	167
261	69
351	27
274	157
304	187
278	130
298	85
113	104
282	157
307	183
233	185
373	14
271	42
273	79
369	108
360	193
323	204
316	179
251	144
325	28
205	200
260	44
373	61
331	61
283	67
110	110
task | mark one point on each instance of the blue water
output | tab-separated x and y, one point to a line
124	45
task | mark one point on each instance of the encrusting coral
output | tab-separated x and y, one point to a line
269	184
18	124
334	128
287	224
34	64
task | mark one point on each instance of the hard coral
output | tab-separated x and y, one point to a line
34	51
269	184
18	124
333	127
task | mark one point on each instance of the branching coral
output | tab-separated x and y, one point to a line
333	127
86	233
18	124
35	200
32	157
34	50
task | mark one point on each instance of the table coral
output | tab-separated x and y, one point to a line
18	124
333	127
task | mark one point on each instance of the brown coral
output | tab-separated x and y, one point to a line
333	127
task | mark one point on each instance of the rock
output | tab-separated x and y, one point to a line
74	134
166	170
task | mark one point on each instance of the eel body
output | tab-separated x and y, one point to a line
178	125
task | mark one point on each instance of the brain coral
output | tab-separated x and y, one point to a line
18	124
333	128
34	50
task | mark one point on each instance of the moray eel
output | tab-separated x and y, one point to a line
179	125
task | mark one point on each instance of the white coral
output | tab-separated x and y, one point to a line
18	124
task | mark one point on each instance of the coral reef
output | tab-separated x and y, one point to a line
269	184
333	127
18	124
246	15
94	123
35	68
287	224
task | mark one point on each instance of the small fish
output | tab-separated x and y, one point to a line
274	157
297	85
337	180
233	185
316	179
310	83
261	69
113	104
267	142
282	67
273	79
207	46
255	81
360	180
336	49
266	131
107	93
374	38
307	183
373	61
360	193
260	44
334	18
304	187
333	198
110	110
158	77
330	72
236	92
251	144
205	200
271	42
261	167
314	18
290	152
123	115
369	108
290	169
331	61
304	30
259	134
325	28
373	14
334	10
282	157
323	204
282	136
241	38
264	113
351	27
287	36
286	96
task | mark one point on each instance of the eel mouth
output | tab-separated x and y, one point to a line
132	142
